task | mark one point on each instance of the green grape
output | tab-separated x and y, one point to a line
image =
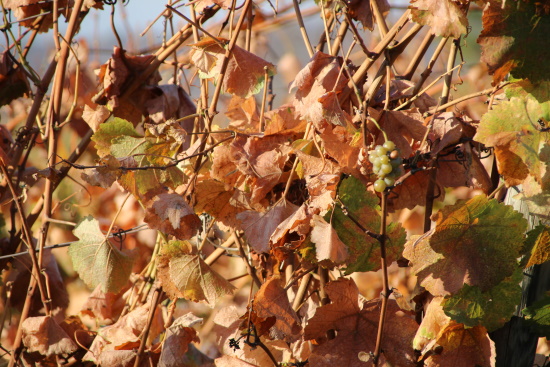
389	145
380	150
379	185
386	168
384	159
389	181
372	157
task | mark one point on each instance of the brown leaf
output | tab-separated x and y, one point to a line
271	300
177	339
400	126
43	335
230	361
510	166
258	227
170	214
13	81
283	120
327	244
320	75
104	307
294	229
184	274
462	347
168	101
124	333
243	114
361	10
433	322
211	197
412	192
343	146
245	73
95	117
356	325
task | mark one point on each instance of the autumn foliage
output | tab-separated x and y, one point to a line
170	209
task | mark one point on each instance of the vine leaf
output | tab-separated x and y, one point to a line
468	239
356	323
43	335
538	316
245	74
510	32
513	127
13	81
184	274
433	322
491	309
169	213
538	240
364	251
96	260
327	244
177	339
444	17
321	75
258	227
361	10
271	300
95	117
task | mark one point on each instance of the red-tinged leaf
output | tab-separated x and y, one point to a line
245	74
97	260
258	227
491	309
343	146
177	339
13	81
283	120
327	244
271	300
463	347
510	32
468	239
538	243
513	126
124	333
364	250
43	335
169	213
184	274
401	127
243	114
356	325
446	18
361	10
321	75
104	307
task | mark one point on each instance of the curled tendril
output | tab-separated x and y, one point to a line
119	236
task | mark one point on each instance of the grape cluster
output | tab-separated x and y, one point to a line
386	165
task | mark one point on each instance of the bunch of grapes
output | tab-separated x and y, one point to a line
386	165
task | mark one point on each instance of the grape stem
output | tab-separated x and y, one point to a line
379	128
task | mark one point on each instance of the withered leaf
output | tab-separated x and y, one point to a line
43	335
170	214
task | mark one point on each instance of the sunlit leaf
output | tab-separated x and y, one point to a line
97	260
445	17
538	241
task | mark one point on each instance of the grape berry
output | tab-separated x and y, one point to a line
386	165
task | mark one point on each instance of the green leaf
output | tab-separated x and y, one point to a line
469	240
492	309
111	130
96	260
514	128
515	40
364	251
538	316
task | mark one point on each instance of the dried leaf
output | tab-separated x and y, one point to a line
356	324
13	81
43	335
538	241
258	227
95	117
170	214
102	306
468	237
177	339
185	275
271	300
361	10
327	244
245	74
97	260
